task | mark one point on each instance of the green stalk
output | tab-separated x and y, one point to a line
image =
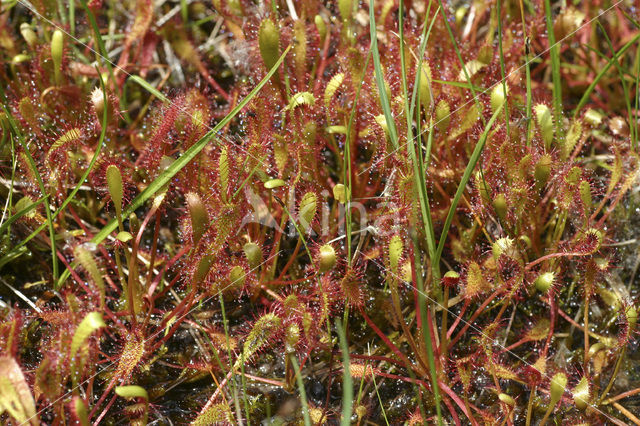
462	63
603	71
303	394
347	381
347	165
475	157
502	69
384	101
555	70
7	223
102	51
47	205
421	195
527	73
625	89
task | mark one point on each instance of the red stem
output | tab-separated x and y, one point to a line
458	318
386	340
474	316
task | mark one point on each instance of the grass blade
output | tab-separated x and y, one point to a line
555	70
384	100
347	382
19	214
421	195
585	96
145	84
475	157
303	394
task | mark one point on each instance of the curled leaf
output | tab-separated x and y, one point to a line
198	214
331	88
545	123
269	42
132	391
15	396
307	209
91	323
395	252
301	98
114	183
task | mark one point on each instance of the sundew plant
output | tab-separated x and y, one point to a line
342	212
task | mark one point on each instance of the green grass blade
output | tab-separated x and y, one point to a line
384	100
36	173
502	68
347	164
303	394
585	96
19	214
426	32
527	66
460	59
347	381
421	195
461	84
155	92
554	53
475	157
102	51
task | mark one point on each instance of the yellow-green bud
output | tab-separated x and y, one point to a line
253	253
346	9
544	282
203	268
339	193
592	117
443	115
20	57
507	399
425	85
237	277
274	183
28	34
498	96
321	27
326	258
57	46
542	171
114	183
307	209
134	223
500	206
199	216
558	386
581	394
545	123
269	42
